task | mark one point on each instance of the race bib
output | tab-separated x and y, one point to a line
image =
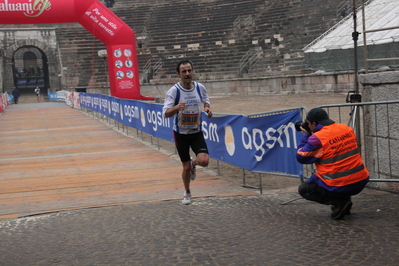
190	119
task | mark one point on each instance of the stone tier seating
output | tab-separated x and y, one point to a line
79	50
206	34
203	31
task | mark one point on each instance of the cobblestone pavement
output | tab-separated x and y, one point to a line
233	230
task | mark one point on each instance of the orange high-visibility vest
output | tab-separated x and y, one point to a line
341	163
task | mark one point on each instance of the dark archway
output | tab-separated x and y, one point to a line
100	21
30	68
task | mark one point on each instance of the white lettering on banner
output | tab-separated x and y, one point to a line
104	18
106	29
131	112
102	21
247	144
256	132
283	129
126	84
96	101
86	99
115	107
104	103
113	25
210	133
157	119
258	141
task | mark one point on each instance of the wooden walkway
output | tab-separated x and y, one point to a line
53	157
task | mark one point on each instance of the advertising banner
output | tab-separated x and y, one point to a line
37	11
266	143
143	116
124	70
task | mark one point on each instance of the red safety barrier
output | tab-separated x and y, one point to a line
3	102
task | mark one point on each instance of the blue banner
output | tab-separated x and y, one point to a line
266	143
22	82
143	116
52	95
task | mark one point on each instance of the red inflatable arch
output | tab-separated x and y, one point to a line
96	18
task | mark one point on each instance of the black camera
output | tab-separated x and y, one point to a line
302	124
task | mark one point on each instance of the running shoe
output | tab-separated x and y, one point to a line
186	198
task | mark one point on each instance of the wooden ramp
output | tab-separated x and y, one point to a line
53	157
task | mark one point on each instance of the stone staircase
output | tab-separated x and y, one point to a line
79	50
206	34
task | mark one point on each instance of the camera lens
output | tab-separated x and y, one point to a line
302	124
298	125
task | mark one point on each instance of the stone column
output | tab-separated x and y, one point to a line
382	127
54	81
8	76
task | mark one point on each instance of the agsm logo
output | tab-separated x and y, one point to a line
254	139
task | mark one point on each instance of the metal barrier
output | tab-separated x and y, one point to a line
124	127
375	125
307	168
371	121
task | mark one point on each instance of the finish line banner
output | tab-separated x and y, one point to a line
266	143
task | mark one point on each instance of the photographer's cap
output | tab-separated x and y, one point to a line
320	116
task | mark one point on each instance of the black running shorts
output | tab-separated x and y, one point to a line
183	143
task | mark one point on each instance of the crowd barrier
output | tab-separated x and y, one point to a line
261	143
375	125
4	101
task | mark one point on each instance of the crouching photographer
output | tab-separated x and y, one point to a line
333	148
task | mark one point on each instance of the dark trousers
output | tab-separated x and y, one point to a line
311	191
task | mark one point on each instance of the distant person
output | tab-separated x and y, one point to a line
37	92
31	71
341	173
15	93
183	102
343	12
16	71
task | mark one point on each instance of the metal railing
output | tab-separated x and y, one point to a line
250	59
375	125
371	121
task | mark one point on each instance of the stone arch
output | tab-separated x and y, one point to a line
40	49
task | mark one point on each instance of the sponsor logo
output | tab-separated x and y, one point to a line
254	139
142	116
156	119
229	140
31	8
121	111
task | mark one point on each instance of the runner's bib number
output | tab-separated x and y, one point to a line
189	119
